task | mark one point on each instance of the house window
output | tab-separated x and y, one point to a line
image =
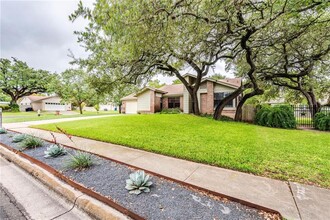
174	102
221	95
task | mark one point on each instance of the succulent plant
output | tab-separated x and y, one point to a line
31	142
138	182
80	160
55	150
3	131
19	137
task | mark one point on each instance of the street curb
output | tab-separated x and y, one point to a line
90	205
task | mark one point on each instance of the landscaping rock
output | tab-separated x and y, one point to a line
167	199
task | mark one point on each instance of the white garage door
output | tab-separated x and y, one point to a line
131	107
49	106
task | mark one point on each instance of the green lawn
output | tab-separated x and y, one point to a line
302	156
10	117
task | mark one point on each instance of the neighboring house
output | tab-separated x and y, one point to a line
109	106
211	92
103	107
44	103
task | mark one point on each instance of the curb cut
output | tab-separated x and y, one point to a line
84	202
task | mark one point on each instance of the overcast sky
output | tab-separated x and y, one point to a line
40	33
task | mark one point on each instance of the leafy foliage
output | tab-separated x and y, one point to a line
155	83
55	150
73	86
280	116
20	137
31	142
80	160
171	111
17	79
14	107
5	107
138	182
3	131
322	121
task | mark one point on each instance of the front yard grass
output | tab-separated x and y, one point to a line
11	117
295	155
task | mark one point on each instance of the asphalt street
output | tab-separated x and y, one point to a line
9	208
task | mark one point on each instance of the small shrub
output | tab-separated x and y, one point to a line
138	182
322	121
3	131
31	142
171	111
80	160
19	137
5	108
14	107
280	116
55	150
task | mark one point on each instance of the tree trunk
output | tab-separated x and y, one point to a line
119	108
313	105
80	108
195	104
219	108
14	100
238	114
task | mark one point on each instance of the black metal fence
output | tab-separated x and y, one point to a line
305	115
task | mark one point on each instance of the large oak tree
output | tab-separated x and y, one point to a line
17	79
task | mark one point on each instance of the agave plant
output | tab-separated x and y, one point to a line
19	137
3	131
138	182
55	150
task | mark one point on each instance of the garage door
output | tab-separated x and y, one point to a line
54	106
131	107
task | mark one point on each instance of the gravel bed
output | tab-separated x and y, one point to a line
167	199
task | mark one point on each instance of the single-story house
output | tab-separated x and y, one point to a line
151	100
43	103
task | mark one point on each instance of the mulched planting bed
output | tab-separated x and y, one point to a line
167	199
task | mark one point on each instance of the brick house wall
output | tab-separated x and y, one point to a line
152	101
165	102
203	103
157	104
209	97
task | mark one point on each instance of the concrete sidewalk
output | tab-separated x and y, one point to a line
292	200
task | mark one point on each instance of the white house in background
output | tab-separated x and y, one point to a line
44	103
103	107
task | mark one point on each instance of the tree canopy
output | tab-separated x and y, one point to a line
132	41
72	86
17	79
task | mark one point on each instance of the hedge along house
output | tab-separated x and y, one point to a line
210	93
43	103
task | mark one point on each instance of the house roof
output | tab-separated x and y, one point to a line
149	88
35	98
234	81
129	97
176	89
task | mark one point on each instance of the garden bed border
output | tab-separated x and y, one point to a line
243	202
